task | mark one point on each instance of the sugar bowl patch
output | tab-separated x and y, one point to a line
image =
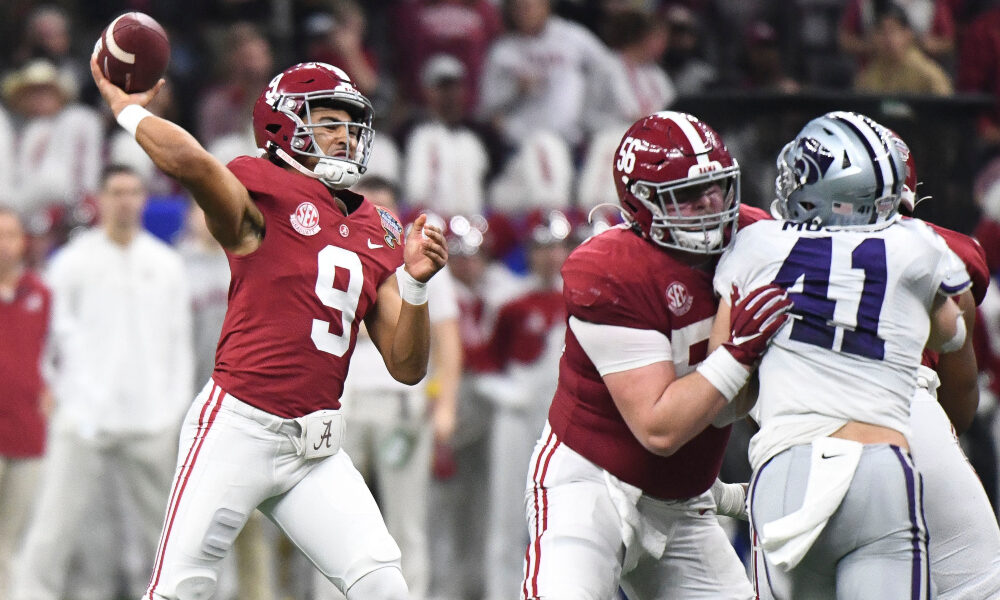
393	230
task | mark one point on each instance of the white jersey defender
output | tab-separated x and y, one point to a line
835	501
864	295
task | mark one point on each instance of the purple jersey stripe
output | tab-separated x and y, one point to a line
927	538
916	579
957	289
753	526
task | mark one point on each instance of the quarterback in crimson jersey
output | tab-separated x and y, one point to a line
310	260
618	489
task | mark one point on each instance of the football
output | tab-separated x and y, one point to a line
133	52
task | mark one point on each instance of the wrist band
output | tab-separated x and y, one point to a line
727	374
730	499
410	290
130	116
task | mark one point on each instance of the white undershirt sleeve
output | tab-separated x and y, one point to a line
614	349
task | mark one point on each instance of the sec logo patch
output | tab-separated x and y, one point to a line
679	300
305	219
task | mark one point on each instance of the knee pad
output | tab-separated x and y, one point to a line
225	526
386	583
196	587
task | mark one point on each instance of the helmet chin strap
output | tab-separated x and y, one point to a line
334	174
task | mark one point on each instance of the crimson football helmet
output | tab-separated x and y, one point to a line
665	162
908	197
283	127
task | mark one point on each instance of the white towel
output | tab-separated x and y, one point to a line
927	378
637	535
786	540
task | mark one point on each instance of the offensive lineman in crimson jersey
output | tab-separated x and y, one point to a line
309	260
616	494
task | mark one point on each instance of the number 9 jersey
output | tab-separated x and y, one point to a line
860	321
295	303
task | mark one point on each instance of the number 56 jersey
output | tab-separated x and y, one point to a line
295	303
859	323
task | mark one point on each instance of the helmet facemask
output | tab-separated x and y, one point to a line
697	233
338	171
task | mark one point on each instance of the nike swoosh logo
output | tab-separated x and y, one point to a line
372	246
741	339
825	455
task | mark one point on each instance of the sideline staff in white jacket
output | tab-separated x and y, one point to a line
122	337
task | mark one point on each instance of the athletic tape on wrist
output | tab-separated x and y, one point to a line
958	340
130	116
411	290
727	374
730	499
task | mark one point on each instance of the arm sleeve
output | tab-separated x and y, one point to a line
614	349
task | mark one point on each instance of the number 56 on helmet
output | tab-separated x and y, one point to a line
665	164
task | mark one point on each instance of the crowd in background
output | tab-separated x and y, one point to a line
499	117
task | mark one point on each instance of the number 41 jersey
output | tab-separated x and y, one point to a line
296	302
859	322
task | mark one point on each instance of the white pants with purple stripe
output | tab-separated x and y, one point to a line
234	458
873	547
964	537
579	550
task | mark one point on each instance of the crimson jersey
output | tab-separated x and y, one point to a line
972	254
974	257
25	325
295	303
618	278
523	326
751	214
